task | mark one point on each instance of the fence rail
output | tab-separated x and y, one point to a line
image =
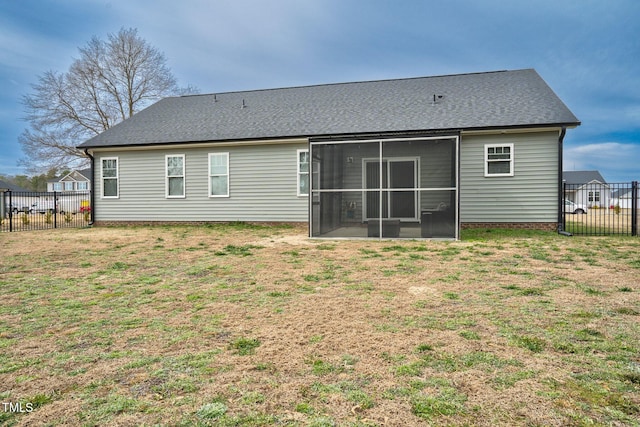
597	209
22	211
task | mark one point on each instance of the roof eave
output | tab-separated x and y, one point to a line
379	134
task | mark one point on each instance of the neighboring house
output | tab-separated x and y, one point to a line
74	181
416	157
7	186
587	188
623	198
17	202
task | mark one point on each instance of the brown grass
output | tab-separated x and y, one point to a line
601	221
235	325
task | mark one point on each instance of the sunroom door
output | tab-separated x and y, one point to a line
396	174
372	198
402	204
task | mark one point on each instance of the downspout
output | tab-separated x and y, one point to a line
561	231
92	205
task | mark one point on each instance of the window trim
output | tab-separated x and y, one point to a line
299	173
116	178
210	175
183	176
487	160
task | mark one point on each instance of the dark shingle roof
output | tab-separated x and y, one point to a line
469	101
4	185
86	173
582	177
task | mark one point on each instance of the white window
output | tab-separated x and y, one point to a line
110	177
498	160
174	176
303	172
594	197
218	174
68	186
57	186
83	185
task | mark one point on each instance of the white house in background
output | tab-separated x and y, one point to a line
587	188
623	197
409	158
74	181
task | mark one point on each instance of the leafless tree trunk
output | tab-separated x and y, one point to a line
109	82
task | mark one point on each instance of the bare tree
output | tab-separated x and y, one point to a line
109	82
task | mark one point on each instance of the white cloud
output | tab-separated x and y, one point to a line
214	44
616	161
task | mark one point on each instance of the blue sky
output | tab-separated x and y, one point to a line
587	51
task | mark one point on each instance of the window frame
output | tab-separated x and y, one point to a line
116	178
82	186
168	177
210	175
300	174
487	160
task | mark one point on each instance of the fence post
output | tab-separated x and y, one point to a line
561	208
55	209
10	213
634	208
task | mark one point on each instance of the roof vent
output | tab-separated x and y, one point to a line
437	98
243	104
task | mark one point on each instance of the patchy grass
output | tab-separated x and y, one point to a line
246	325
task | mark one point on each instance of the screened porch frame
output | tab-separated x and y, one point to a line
384	191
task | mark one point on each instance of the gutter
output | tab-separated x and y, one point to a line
561	230
334	136
93	185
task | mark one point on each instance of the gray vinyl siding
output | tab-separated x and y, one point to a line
531	195
263	183
262	186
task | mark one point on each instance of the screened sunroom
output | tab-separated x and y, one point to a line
385	188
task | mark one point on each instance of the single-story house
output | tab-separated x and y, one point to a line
7	186
74	181
5	204
414	157
587	188
623	197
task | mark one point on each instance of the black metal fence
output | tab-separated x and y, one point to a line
598	209
22	211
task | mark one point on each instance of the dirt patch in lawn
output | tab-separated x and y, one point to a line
256	325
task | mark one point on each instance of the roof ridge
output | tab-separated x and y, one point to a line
481	100
349	83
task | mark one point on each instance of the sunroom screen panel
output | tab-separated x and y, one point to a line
385	188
